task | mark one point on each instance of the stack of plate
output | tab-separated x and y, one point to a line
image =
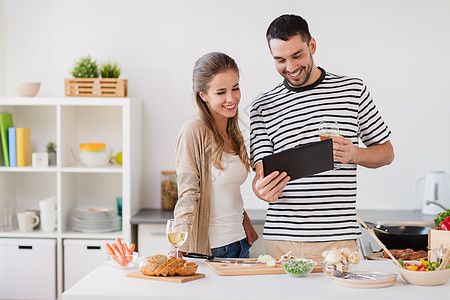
96	219
380	279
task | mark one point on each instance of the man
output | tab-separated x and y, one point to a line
315	213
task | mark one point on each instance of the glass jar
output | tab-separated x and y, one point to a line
169	190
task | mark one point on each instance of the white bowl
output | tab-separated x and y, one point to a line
425	277
28	89
114	261
95	158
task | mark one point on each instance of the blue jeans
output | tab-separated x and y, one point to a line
239	249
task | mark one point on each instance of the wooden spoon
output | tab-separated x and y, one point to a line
379	230
444	261
380	243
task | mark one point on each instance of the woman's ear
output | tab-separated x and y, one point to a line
203	96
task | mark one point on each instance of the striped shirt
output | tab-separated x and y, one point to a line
321	207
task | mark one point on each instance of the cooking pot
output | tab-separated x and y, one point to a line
402	237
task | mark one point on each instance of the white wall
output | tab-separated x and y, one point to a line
400	48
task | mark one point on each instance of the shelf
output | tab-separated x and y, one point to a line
28	169
69	121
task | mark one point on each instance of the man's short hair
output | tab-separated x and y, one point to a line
286	26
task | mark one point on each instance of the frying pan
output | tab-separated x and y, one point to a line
402	237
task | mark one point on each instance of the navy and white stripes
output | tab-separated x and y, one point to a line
320	207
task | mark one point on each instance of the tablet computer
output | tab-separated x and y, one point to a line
301	161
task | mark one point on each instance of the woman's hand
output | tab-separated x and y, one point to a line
173	254
252	236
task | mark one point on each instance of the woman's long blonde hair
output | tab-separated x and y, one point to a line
206	67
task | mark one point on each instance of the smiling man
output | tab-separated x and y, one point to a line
312	214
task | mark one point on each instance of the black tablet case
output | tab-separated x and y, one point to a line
301	161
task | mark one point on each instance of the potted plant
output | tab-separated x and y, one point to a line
88	84
51	150
110	70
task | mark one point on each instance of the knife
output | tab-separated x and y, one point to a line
211	258
232	260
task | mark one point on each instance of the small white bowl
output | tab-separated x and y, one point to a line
28	89
94	158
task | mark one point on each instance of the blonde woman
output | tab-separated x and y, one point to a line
212	164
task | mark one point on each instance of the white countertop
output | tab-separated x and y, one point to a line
107	282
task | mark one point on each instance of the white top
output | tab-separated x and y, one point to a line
227	206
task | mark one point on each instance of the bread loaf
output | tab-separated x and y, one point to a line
149	264
160	265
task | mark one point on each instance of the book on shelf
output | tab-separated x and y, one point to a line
23	146
12	147
6	121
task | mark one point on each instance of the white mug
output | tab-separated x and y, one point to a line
48	214
27	221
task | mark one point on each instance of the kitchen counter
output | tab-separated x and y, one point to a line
107	282
258	216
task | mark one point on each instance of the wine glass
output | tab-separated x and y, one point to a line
327	130
177	232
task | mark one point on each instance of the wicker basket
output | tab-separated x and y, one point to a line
96	87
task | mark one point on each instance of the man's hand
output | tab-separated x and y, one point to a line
344	150
269	188
374	156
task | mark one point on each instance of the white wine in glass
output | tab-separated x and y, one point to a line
177	233
327	130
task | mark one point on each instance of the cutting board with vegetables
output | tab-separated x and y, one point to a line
230	269
177	279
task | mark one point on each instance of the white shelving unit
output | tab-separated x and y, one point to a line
69	121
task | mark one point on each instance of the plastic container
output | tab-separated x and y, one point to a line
169	190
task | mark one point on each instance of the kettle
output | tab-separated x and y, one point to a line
435	192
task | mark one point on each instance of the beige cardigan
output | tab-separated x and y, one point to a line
193	163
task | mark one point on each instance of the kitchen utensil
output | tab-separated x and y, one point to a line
384	279
27	221
48	214
177	279
177	233
379	242
327	129
434	190
444	261
368	276
402	237
232	260
28	89
131	259
425	278
374	228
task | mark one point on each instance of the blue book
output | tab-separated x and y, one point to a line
12	147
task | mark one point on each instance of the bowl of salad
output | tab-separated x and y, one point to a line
299	267
423	273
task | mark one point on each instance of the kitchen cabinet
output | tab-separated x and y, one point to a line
28	268
69	121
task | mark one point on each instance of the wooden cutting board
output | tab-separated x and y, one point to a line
230	269
177	279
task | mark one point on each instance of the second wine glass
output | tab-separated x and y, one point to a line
177	233
327	130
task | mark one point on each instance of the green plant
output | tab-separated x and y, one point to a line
85	68
109	70
51	147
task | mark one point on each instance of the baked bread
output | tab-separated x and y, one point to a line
188	269
160	265
149	264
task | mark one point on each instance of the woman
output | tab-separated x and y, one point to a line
212	163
